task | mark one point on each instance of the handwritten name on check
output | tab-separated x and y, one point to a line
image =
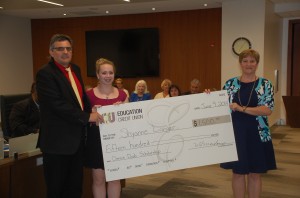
155	136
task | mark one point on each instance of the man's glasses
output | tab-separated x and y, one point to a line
61	49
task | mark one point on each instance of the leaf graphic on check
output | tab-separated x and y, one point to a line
165	114
178	111
157	114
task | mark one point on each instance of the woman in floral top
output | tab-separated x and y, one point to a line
251	101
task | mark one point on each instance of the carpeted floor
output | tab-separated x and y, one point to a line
214	182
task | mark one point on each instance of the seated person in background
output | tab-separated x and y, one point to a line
174	91
24	117
195	87
119	85
166	83
140	93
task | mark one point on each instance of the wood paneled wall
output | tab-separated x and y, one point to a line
190	44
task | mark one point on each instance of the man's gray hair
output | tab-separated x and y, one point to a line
195	81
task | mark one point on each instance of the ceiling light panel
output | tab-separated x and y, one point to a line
50	2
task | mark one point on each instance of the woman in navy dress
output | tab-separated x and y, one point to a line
251	101
104	94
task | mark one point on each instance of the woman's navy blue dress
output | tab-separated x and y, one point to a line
254	156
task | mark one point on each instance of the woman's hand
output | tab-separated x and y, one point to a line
96	117
118	103
255	111
235	107
94	109
207	91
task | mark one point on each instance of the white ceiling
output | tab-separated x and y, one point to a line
82	8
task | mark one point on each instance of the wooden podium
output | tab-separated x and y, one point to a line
292	107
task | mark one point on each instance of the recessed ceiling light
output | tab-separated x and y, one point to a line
127	0
205	5
65	14
153	9
107	12
1	7
51	2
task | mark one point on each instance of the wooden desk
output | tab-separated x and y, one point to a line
25	178
22	177
4	178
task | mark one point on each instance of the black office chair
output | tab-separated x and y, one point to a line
7	102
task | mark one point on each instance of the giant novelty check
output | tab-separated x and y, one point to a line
167	134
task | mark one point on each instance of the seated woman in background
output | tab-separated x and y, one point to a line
174	91
119	85
166	83
140	93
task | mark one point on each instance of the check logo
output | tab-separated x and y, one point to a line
168	113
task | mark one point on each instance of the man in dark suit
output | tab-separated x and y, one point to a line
65	113
24	117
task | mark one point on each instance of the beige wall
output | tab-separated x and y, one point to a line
256	21
272	55
238	22
16	69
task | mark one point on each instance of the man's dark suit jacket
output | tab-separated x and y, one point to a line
63	123
24	118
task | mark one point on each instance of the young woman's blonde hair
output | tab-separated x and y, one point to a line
102	61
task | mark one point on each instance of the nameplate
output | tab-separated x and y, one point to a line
161	135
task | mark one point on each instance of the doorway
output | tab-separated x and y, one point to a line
293	67
292	100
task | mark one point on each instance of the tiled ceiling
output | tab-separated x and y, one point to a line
80	8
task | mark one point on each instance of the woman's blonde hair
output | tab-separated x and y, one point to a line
166	81
249	52
102	61
141	82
